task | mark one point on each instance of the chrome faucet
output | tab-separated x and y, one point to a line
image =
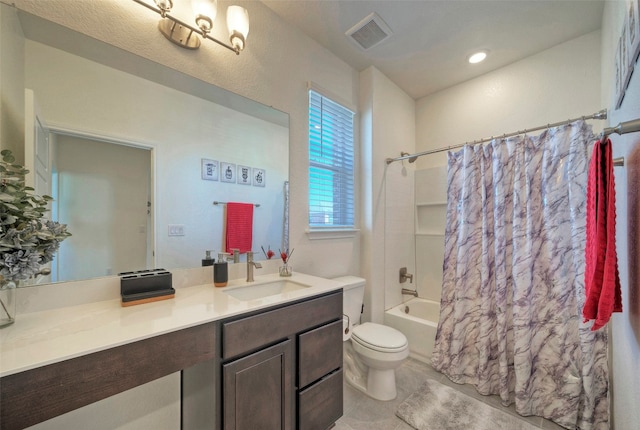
250	265
413	293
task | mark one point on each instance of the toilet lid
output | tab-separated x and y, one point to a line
379	337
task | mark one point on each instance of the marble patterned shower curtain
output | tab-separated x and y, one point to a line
513	284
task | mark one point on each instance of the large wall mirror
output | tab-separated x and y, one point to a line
119	119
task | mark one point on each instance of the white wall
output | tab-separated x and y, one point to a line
388	128
559	83
11	84
431	207
625	327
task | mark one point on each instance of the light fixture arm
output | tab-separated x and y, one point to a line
165	14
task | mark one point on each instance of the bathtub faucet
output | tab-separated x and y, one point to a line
413	293
404	276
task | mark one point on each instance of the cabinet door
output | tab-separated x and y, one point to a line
257	390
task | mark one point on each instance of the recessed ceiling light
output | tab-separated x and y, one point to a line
477	57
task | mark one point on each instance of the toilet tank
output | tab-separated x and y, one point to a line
353	297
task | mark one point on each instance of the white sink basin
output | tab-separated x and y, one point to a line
259	291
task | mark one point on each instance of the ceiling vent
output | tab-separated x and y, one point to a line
369	32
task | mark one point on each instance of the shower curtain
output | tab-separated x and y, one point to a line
513	283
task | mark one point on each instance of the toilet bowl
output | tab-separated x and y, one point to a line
372	351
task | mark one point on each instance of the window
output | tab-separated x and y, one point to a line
331	174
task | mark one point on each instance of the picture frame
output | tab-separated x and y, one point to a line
244	175
259	177
228	173
633	32
627	50
619	89
625	68
210	169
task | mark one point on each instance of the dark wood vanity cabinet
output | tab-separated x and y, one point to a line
280	368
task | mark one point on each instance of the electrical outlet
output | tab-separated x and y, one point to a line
176	230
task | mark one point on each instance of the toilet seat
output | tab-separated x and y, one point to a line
379	337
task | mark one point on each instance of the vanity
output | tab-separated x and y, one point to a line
251	355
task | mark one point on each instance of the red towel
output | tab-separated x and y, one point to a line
601	278
239	227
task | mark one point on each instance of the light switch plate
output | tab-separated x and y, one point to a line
176	229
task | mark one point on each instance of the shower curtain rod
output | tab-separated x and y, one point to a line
598	115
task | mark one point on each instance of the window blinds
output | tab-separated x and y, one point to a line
331	176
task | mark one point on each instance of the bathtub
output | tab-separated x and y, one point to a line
417	319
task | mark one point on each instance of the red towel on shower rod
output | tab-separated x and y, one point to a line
239	227
602	280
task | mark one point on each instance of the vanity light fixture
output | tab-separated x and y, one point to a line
205	11
477	57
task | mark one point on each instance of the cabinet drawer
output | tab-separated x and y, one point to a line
250	333
320	352
320	405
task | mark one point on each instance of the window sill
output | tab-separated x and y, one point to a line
331	233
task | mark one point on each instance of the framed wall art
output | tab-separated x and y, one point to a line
259	177
210	169
228	172
633	31
244	175
627	50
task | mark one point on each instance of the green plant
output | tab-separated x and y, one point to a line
27	239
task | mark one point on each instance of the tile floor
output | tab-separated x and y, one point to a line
364	413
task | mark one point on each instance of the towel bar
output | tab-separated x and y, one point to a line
224	203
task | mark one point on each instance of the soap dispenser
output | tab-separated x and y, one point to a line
220	271
207	260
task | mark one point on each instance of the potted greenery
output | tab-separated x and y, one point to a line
28	240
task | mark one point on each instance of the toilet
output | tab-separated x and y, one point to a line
372	351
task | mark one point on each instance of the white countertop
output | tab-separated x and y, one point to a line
40	338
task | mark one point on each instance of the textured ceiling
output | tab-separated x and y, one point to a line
432	39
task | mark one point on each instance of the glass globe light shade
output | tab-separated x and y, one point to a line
205	12
238	25
164	5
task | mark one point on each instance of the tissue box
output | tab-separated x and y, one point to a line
145	286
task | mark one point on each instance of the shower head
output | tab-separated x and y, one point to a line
411	159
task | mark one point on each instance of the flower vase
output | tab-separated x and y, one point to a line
7	302
286	270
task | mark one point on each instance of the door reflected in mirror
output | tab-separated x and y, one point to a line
103	192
